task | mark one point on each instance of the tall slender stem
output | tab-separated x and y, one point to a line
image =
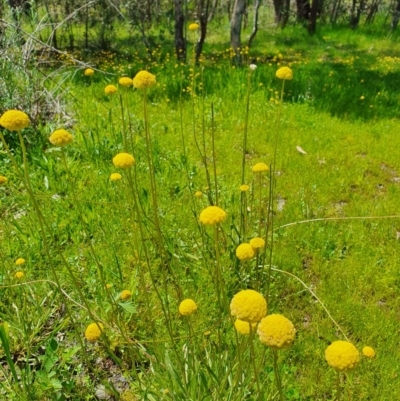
277	374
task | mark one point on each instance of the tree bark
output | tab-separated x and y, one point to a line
180	42
282	8
203	10
303	10
257	5
312	25
396	16
236	26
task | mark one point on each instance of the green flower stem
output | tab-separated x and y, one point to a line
253	360
278	378
121	102
338	390
214	154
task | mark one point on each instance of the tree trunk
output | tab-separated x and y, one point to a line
335	11
312	25
236	26
180	42
372	11
282	8
396	16
356	13
204	6
257	5
303	10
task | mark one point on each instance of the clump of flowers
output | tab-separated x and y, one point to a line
243	327
276	331
20	261
257	243
93	332
342	355
89	72
123	160
212	215
14	120
260	168
198	194
115	177
125	81
3	179
369	352
61	137
187	307
284	73
244	188
143	80
248	305
125	295
110	90
245	252
108	286
19	274
194	27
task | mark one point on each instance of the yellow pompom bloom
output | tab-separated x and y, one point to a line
260	168
19	274
212	215
110	90
284	73
187	307
194	27
123	160
108	286
93	332
144	80
3	179
257	243
369	352
245	252
244	188
248	305
198	194
276	331
243	327
61	137
14	120
115	177
342	355
20	261
125	295
125	81
89	72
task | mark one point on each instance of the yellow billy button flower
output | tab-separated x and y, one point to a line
369	352
284	73
123	160
3	179
194	27
276	331
110	90
19	274
144	80
243	327
89	72
212	215
93	332
61	137
187	307
257	243
244	188
108	286
342	355
115	177
14	120
248	305
198	194
20	261
245	252
260	168
126	82
125	295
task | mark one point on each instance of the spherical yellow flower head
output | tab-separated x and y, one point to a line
20	261
14	120
284	73
125	295
3	179
257	243
244	188
110	90
123	160
93	332
198	194
61	137
108	286
89	72
342	355
212	215
245	252
369	352
187	307
243	327
126	82
19	274
260	168
194	27
276	331
144	80
128	395
249	305
115	177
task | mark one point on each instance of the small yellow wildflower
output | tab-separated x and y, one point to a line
123	160
212	215
115	177
108	286
260	168
243	327
187	307
61	137
14	120
198	194
257	243
276	331
126	82
194	27
125	295
93	332
342	355
3	179
89	72
248	305
144	80
110	90
245	252
284	73
369	352
20	261
362	97
19	274
244	188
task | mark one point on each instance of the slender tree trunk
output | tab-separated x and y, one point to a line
303	10
236	26
312	24
282	8
257	5
372	11
204	6
356	13
213	10
335	11
396	16
180	42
